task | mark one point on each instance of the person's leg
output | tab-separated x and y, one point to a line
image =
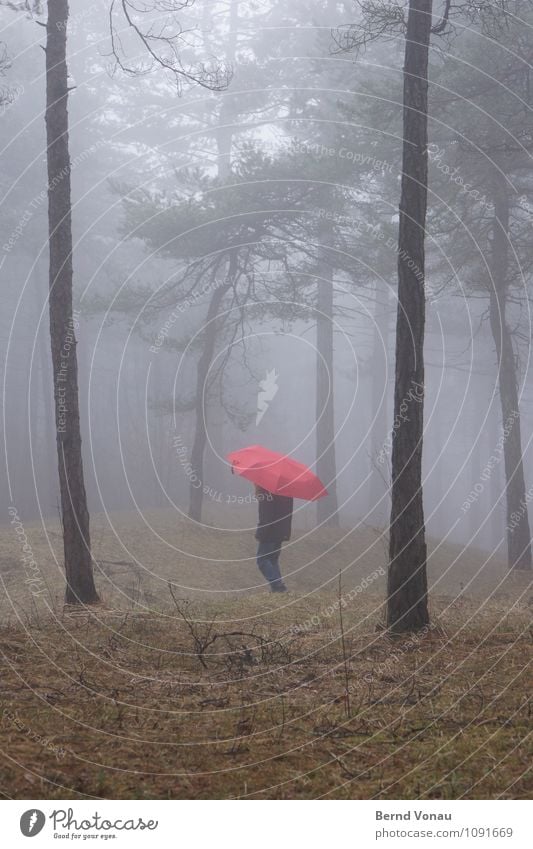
268	563
277	584
263	560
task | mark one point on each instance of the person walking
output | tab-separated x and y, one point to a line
273	529
278	479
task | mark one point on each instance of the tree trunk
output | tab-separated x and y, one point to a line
476	511
196	485
378	506
407	607
518	533
225	128
495	489
75	515
326	466
439	435
47	431
224	141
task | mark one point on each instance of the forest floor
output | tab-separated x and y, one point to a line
213	688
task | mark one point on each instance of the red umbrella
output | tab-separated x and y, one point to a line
277	473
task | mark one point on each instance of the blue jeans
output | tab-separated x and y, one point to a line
268	562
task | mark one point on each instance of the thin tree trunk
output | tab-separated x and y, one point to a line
476	467
224	140
378	506
518	533
75	515
196	485
326	466
48	430
407	607
496	518
225	130
437	468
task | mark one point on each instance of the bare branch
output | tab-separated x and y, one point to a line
153	23
443	23
379	19
31	7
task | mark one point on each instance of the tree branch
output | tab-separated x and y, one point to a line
162	49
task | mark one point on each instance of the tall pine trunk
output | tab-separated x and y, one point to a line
518	533
407	607
378	498
75	515
224	141
326	466
196	485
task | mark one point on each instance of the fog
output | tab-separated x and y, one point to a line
164	180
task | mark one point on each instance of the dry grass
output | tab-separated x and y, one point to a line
220	695
136	558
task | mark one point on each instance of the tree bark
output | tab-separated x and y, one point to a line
407	607
518	532
326	466
74	513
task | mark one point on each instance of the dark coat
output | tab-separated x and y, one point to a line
275	517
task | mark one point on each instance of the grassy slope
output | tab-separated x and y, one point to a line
128	706
138	703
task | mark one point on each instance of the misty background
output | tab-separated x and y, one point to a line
298	162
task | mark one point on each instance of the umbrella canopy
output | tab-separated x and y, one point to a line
277	473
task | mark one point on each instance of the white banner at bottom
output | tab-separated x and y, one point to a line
268	824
